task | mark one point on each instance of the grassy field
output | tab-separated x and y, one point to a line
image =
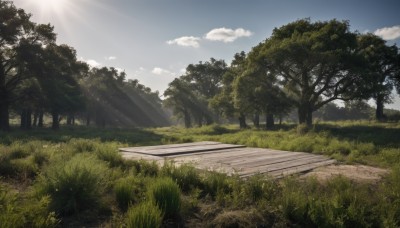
75	177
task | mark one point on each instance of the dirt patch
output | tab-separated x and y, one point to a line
359	173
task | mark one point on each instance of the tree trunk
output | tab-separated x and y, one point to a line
87	120
35	118
242	121
302	114
56	123
188	122
305	114
309	117
23	119
69	120
269	119
256	120
40	120
4	116
29	118
379	108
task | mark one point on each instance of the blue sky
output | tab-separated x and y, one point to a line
154	40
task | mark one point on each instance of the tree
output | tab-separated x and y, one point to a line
258	88
18	37
58	79
382	69
314	62
205	79
223	102
180	97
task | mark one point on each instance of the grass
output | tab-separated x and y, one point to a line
165	193
76	177
144	215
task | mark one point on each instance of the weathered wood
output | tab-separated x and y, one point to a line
230	158
185	149
282	165
167	146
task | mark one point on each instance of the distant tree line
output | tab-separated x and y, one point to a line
303	66
38	76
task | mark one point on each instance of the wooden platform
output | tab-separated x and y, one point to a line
230	158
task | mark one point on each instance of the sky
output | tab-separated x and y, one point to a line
154	40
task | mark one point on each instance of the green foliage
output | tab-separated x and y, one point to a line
216	184
15	212
144	215
186	176
165	193
129	190
338	204
74	185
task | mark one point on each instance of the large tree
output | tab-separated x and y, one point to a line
223	102
382	69
58	79
315	62
258	88
19	40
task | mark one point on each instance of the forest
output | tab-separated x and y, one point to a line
62	123
302	68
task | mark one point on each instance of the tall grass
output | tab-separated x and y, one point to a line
144	215
165	193
74	185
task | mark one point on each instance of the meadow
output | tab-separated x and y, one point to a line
75	177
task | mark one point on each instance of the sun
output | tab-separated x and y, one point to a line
47	6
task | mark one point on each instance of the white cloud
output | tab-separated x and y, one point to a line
161	71
389	33
227	35
186	41
90	62
93	63
111	58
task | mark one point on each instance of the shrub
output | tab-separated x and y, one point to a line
82	145
166	195
74	185
186	176
129	190
144	215
109	154
215	183
28	213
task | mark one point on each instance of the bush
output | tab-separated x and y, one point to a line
28	213
129	190
166	195
74	185
186	176
109	154
144	215
216	183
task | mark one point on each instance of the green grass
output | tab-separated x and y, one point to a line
144	215
165	193
76	177
74	185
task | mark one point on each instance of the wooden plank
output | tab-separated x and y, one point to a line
166	146
272	160
186	150
137	156
230	158
243	156
282	165
301	169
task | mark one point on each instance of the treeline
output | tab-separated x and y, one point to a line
303	66
39	77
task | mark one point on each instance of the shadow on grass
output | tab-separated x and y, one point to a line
130	136
378	135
